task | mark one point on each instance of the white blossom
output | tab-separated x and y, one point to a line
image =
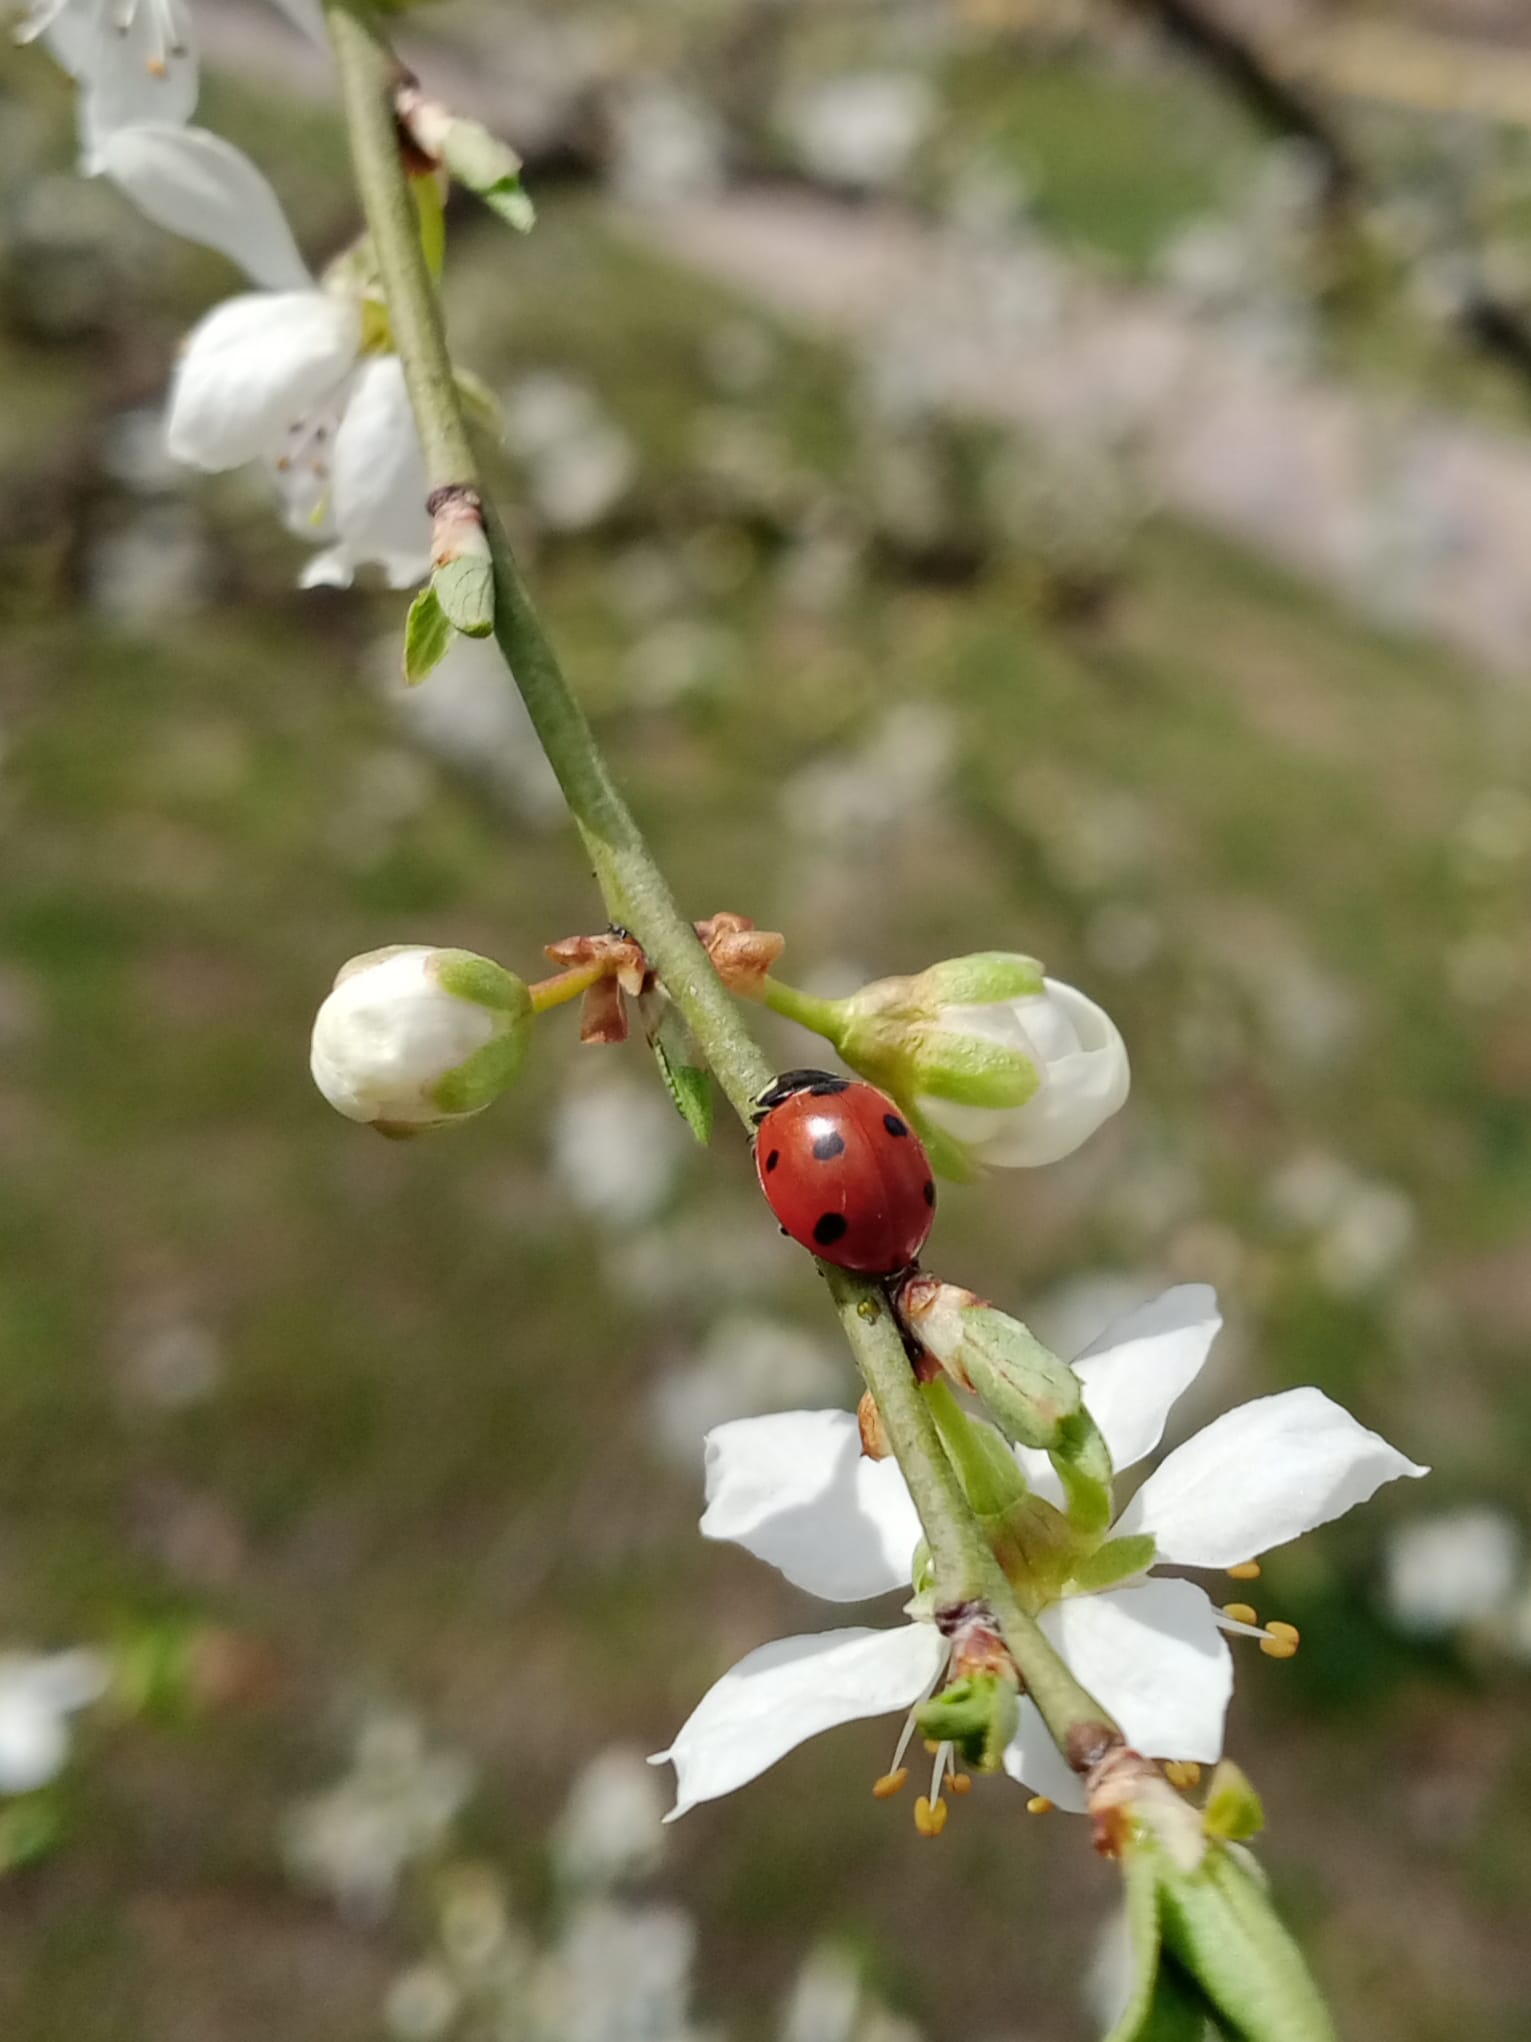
1459	1567
1082	1066
38	1695
280	374
412	1037
134	61
796	1491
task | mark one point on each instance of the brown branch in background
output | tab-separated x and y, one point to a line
1274	101
1490	323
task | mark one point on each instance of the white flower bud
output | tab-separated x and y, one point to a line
412	1037
1081	1062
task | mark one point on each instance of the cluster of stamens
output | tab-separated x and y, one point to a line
930	1810
1278	1640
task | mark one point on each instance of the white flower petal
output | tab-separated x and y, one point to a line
128	78
34	1742
1082	1059
786	1692
252	368
330	569
1132	1375
1134	1372
1261	1474
380	485
197	185
1153	1656
1032	1758
796	1490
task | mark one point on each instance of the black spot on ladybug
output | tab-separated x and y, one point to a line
773	1159
829	1227
930	1192
827	1147
894	1125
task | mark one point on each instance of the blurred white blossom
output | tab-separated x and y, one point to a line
576	463
38	1694
747	1364
1454	1569
618	1147
861	130
612	1827
394	1808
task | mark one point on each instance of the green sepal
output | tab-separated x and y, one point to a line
467	976
687	1078
1027	1388
1117	1560
945	1154
1082	1462
480	1078
979	979
428	636
991	1479
978	1714
969	1070
1221	1927
464	588
1234	1811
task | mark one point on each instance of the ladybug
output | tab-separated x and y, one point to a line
843	1171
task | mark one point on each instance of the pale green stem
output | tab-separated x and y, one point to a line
635	891
804	1008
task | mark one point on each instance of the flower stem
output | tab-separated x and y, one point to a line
804	1008
563	986
635	891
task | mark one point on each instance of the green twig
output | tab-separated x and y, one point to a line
635	891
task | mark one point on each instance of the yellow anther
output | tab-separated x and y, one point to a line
1247	1570
959	1783
885	1788
1182	1772
1239	1613
1039	1805
157	67
932	1746
1278	1648
1290	1632
929	1817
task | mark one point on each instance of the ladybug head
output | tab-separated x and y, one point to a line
823	1085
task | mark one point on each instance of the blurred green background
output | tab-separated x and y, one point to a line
421	1423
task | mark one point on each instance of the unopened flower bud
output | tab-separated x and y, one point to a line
412	1037
1027	1388
997	1063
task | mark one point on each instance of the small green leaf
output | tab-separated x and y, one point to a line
687	1079
427	636
464	588
510	201
1221	1926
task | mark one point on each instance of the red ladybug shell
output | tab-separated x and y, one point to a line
844	1172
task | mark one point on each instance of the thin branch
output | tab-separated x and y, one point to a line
635	890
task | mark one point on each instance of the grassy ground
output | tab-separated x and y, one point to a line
421	1468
